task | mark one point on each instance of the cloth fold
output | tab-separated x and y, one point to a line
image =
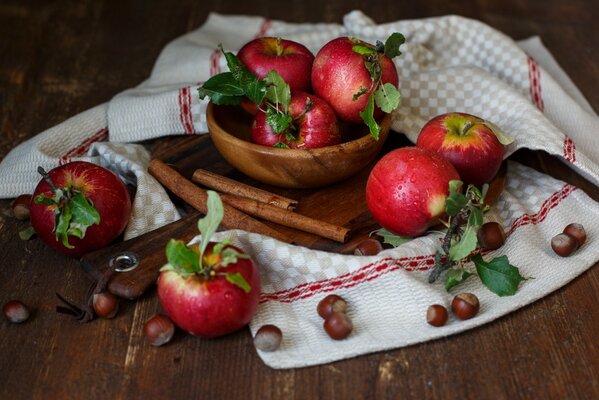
449	63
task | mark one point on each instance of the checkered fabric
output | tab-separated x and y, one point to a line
449	63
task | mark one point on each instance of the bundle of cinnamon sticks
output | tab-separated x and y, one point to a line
241	202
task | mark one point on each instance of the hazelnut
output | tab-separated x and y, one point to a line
465	305
15	311
268	338
159	330
563	245
577	231
368	247
106	305
331	303
20	207
491	236
436	315
338	325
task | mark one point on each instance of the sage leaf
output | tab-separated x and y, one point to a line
498	275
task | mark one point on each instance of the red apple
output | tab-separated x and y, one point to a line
292	60
468	142
339	73
80	207
313	125
407	188
209	305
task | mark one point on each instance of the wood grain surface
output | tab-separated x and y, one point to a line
62	57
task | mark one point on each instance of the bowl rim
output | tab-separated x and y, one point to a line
361	142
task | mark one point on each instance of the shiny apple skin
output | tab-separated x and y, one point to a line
105	190
476	154
214	307
407	188
338	73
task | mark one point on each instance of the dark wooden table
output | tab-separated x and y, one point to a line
60	58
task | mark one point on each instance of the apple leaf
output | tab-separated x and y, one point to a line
363	49
387	97
62	220
230	256
455	277
84	212
279	122
465	246
392	44
277	90
498	275
476	217
391	238
222	89
367	116
456	200
181	258
209	224
503	138
238	280
280	145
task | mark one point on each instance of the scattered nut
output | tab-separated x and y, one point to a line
563	244
268	338
338	325
436	315
20	207
106	305
159	330
368	247
491	236
331	303
577	231
15	311
465	305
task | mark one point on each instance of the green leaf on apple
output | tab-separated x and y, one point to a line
63	217
455	276
387	97
280	145
209	224
277	90
278	122
84	212
181	258
367	116
498	275
456	200
391	238
392	44
238	280
503	138
363	49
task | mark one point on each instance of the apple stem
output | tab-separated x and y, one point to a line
466	127
47	178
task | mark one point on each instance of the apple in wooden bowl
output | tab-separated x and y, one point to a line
230	127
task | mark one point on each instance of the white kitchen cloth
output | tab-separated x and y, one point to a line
448	64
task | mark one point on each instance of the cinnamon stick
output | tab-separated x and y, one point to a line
198	197
287	218
230	186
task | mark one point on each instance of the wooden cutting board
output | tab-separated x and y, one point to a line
342	204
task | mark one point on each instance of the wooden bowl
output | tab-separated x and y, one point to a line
229	128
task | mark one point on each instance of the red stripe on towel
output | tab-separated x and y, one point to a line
83	147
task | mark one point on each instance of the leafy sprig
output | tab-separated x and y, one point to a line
189	261
459	245
385	96
272	94
74	212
